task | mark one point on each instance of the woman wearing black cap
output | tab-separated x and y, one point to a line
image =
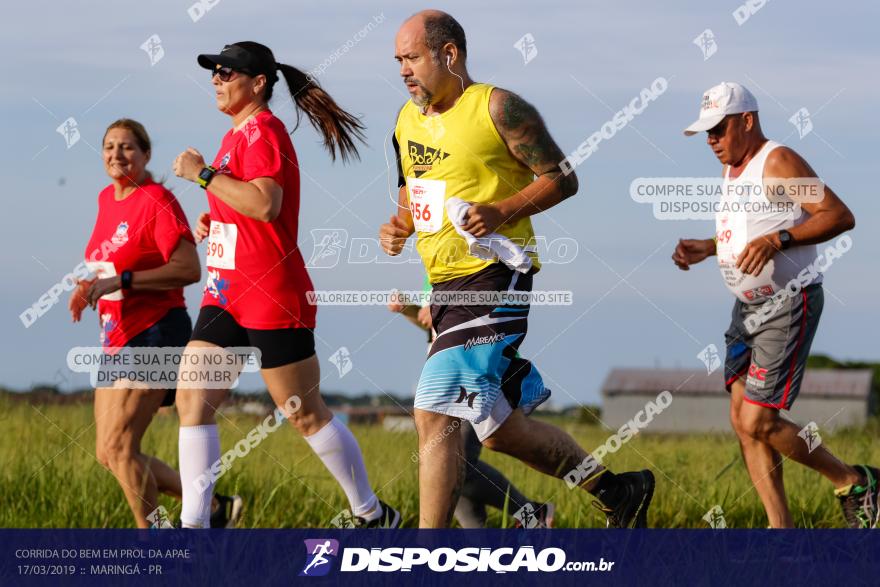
255	295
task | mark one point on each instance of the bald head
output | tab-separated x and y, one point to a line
435	29
421	15
430	47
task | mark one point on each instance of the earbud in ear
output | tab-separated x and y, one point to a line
448	59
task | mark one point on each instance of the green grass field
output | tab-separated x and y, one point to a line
50	478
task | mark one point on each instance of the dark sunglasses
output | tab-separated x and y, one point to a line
720	129
225	73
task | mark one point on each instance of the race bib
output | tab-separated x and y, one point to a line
103	269
426	203
221	245
731	232
733	236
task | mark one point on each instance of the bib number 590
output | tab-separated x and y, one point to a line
215	250
222	238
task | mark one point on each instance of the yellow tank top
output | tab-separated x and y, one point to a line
457	154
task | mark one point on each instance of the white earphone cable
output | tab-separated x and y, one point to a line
388	169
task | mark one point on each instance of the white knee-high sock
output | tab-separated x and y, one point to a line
337	448
199	448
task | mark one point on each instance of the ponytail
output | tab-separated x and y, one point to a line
338	127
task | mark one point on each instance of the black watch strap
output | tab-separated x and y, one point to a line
205	176
784	239
125	279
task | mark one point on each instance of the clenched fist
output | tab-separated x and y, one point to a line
203	226
393	235
691	251
189	164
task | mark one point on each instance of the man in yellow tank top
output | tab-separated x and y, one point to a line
488	148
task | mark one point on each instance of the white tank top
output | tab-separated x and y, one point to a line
744	214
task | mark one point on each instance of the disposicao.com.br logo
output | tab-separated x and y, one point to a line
442	560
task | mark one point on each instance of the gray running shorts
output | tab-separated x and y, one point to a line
768	344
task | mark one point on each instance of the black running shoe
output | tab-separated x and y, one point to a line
861	503
390	518
630	506
228	511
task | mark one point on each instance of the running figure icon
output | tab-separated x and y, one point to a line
318	553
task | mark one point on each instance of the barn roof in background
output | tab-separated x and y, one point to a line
838	383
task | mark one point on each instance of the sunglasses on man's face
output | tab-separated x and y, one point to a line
720	129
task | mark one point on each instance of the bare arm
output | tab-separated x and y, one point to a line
411	313
393	234
827	218
403	211
259	198
529	142
181	269
691	251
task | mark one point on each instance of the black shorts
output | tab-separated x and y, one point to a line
473	370
277	347
172	330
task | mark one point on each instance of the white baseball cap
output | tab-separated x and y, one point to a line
719	101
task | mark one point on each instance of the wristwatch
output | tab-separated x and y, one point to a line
205	176
785	239
125	279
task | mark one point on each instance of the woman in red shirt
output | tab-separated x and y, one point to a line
142	254
256	291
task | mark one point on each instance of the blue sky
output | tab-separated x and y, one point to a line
631	306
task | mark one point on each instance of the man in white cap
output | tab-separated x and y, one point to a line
765	243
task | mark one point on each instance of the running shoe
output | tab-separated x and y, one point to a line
861	503
390	518
228	511
628	508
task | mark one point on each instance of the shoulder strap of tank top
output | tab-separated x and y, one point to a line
761	158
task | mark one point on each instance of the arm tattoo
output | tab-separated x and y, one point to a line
527	138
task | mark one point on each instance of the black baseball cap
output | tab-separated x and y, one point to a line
240	58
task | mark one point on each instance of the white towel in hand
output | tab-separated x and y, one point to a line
492	247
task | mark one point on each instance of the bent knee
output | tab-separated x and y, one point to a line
760	428
735	421
495	442
309	423
115	452
435	427
102	455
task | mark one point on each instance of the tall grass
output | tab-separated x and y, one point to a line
49	476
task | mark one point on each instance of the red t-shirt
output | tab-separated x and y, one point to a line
137	233
255	269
